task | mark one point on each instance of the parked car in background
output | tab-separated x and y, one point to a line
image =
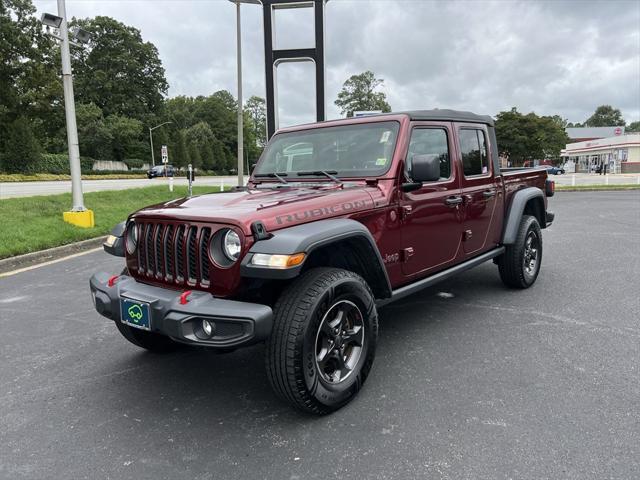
159	171
551	170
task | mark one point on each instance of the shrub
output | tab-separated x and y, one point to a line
21	148
134	163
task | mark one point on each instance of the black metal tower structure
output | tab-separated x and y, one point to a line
274	57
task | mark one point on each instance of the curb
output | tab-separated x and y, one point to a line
34	258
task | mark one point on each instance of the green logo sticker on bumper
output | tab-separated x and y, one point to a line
135	314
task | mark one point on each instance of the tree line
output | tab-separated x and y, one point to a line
120	92
521	137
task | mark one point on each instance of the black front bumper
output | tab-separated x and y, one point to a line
235	323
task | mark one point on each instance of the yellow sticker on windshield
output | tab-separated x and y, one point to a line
381	162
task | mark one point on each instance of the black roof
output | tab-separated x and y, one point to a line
448	115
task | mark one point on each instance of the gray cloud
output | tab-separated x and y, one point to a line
550	57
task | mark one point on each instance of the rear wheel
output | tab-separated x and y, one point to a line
520	264
323	341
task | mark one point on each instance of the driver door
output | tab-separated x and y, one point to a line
431	214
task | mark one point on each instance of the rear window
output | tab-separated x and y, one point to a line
473	148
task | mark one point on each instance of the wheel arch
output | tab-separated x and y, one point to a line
341	243
527	201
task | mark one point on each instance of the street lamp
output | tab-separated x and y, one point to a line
239	62
79	215
151	129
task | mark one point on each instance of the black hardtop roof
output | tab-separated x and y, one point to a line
448	115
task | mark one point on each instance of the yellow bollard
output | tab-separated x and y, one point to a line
83	219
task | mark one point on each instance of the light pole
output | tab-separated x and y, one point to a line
239	62
78	215
151	129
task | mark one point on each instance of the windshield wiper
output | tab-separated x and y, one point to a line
327	173
273	175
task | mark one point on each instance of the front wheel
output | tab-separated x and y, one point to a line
520	264
323	340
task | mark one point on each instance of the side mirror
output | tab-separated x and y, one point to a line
252	167
425	168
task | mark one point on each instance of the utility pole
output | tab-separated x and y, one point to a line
151	129
153	158
79	215
240	118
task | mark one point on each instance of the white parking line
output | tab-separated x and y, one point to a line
38	265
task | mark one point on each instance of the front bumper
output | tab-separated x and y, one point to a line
236	323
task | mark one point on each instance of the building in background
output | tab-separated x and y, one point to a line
620	153
583	134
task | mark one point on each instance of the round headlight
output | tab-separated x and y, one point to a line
132	237
231	245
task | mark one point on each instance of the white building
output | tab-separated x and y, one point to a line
621	154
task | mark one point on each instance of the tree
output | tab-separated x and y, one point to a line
201	138
358	93
529	137
178	149
119	72
605	116
94	136
22	150
256	107
28	73
126	134
633	127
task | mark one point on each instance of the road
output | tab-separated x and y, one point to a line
28	189
471	380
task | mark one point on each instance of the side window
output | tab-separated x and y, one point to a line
431	141
473	147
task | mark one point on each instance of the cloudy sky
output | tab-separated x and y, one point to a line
551	57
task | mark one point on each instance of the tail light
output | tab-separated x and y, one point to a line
550	187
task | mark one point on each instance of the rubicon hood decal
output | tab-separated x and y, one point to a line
276	208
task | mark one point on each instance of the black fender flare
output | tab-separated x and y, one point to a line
114	244
307	238
516	210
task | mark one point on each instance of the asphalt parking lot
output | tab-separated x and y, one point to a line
471	380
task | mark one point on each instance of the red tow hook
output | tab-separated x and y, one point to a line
183	298
112	280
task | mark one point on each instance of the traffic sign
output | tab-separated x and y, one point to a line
165	154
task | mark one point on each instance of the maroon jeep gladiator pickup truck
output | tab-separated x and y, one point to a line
337	219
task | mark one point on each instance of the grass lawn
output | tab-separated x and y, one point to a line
35	223
578	188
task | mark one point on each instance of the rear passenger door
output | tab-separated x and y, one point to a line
479	187
431	214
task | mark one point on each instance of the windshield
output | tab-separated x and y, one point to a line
361	150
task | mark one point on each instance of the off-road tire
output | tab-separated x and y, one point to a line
153	342
511	264
291	354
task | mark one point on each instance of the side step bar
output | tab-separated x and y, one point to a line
440	276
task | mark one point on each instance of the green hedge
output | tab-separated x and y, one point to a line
134	162
58	163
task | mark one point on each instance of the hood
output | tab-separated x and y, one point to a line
275	207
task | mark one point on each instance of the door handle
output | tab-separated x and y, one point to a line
489	193
453	201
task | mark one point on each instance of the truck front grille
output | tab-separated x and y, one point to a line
173	254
